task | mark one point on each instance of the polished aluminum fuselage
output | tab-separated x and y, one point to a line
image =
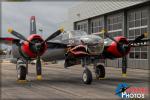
95	45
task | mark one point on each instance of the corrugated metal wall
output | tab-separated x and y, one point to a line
94	8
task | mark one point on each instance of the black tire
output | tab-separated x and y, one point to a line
87	76
21	73
100	71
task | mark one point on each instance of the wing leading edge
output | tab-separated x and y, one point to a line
8	40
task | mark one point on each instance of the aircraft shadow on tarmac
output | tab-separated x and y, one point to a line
75	81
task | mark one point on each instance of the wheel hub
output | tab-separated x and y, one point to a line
84	77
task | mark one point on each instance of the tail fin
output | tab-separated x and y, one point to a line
32	25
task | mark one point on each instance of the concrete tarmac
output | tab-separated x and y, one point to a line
60	83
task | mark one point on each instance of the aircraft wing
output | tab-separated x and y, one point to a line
144	42
8	40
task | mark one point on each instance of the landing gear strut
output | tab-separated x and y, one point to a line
38	69
99	71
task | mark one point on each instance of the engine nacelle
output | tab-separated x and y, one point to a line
29	50
113	50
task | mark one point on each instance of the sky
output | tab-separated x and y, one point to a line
48	15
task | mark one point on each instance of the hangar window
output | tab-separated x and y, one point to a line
144	13
137	32
96	25
137	25
131	55
83	26
131	34
144	21
138	15
114	24
143	55
130	16
137	55
144	48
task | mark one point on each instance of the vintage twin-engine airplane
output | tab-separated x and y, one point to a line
76	47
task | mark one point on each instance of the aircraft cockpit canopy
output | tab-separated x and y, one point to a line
71	37
77	33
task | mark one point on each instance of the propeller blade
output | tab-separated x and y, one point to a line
18	35
139	38
54	34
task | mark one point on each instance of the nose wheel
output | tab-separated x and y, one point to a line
87	76
99	71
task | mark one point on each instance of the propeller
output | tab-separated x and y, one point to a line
18	35
123	46
38	46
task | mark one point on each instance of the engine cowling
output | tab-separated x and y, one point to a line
29	49
114	50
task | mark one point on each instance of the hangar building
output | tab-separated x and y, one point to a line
129	18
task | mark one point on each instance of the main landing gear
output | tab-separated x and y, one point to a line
99	71
87	74
22	71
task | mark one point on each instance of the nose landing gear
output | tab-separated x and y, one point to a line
87	76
